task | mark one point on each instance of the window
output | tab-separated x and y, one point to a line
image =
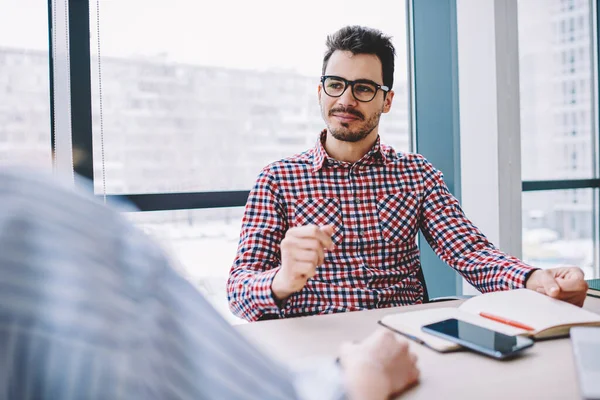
541	140
572	61
203	106
559	226
204	243
25	129
197	114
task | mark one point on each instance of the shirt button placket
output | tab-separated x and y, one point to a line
355	200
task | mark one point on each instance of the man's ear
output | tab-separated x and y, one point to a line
387	102
319	88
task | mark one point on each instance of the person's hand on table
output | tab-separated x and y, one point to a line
378	367
302	251
563	283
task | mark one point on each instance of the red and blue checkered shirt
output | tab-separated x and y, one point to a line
377	205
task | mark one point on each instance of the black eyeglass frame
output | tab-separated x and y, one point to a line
348	83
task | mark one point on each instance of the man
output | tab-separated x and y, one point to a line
90	308
334	229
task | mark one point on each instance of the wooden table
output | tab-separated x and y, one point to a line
545	371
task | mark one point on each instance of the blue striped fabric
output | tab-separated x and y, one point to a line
90	308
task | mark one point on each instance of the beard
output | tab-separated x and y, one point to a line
347	134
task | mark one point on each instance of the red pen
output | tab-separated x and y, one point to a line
506	321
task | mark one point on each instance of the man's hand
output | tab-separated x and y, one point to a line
378	367
302	251
563	283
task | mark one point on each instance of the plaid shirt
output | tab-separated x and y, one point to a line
377	205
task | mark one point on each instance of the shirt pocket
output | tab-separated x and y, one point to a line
316	211
397	215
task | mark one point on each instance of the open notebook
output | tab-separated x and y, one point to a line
549	317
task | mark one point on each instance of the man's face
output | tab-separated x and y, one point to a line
348	119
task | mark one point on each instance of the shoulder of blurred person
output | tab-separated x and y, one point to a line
91	308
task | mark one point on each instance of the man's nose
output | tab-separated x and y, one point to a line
347	98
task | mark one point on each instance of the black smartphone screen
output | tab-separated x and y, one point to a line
477	338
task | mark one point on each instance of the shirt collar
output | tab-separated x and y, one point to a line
376	155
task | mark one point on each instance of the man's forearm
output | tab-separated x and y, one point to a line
250	295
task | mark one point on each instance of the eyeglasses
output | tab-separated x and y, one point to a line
362	89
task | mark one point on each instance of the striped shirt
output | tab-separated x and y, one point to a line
90	308
377	206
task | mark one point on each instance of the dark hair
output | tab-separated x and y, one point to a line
362	40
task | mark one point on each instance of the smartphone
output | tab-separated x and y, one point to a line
479	339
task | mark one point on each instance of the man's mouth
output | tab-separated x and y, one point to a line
346	116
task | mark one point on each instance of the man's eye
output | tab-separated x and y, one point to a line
335	85
364	89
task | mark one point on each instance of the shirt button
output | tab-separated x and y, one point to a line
357	201
359	232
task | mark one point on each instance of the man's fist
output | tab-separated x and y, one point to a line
302	251
563	283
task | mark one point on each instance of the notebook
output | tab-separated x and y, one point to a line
594	287
549	317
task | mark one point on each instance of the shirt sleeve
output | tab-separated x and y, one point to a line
461	244
258	256
319	378
194	353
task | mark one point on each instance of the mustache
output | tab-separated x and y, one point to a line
346	110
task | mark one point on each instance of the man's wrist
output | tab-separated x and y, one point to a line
528	275
279	302
365	383
279	295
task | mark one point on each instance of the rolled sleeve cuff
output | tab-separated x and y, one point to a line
516	275
262	293
319	379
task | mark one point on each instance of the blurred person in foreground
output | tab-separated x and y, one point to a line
91	308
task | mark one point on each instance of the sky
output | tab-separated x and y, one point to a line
257	35
24	24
